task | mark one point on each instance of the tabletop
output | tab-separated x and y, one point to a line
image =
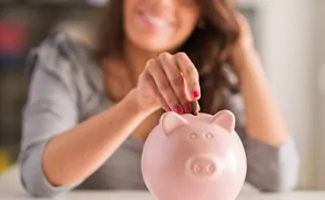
10	188
132	195
125	195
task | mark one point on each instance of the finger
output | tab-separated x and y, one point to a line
163	85
190	74
153	89
175	79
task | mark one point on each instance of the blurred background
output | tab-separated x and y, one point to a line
289	34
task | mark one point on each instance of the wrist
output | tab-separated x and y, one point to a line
135	104
246	58
241	53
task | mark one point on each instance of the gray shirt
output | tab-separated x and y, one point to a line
65	88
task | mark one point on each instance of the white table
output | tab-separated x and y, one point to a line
146	196
11	189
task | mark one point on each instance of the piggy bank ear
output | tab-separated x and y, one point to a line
171	121
225	119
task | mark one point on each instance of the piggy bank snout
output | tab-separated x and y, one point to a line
202	166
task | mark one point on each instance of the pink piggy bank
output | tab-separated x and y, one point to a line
194	158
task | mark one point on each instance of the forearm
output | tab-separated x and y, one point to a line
74	155
264	121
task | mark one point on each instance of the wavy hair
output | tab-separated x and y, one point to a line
209	47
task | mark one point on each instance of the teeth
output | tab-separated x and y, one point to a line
155	20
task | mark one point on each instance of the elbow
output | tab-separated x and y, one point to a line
32	177
278	174
283	183
32	190
33	186
287	179
275	182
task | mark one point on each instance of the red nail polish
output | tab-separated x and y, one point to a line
178	109
187	107
168	108
196	94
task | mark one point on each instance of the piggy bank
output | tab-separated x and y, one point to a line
194	158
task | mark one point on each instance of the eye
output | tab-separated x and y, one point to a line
209	136
193	136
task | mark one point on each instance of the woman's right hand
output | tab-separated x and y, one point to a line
170	82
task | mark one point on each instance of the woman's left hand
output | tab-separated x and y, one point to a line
246	39
244	48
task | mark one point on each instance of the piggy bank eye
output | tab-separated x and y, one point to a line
193	136
209	136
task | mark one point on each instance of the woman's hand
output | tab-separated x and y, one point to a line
244	48
246	39
168	81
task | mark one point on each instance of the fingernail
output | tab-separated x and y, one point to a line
178	109
196	94
168	108
187	107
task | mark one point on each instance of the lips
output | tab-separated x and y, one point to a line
156	21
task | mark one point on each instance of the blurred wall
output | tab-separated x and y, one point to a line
288	52
35	21
320	65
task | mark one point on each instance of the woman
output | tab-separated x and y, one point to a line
90	110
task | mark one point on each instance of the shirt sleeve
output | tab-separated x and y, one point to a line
51	109
269	168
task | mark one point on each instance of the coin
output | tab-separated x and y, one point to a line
195	107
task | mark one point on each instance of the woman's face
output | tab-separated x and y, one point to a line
159	25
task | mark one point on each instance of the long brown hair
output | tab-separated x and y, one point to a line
208	47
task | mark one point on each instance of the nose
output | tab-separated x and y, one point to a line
163	8
163	4
202	166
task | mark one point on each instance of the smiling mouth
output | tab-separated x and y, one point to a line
156	21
